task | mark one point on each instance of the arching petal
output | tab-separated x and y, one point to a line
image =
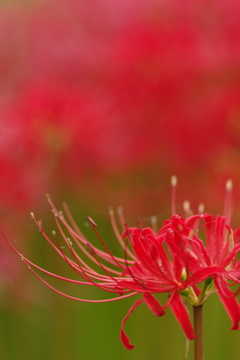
153	304
182	316
123	336
230	304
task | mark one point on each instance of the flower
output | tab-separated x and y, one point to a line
145	269
173	260
213	263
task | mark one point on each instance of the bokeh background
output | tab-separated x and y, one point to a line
101	101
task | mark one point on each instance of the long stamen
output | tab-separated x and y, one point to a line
187	208
76	235
101	265
126	263
121	216
77	299
84	250
103	243
174	185
228	201
115	229
154	223
29	263
71	220
84	274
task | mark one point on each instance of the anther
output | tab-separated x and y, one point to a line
153	220
92	222
32	215
110	209
201	208
69	242
40	227
174	185
173	180
120	210
186	206
229	185
154	223
54	213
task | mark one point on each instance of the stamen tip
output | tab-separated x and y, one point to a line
54	213
120	210
92	222
110	209
32	215
173	180
40	225
229	185
153	219
201	208
69	242
186	205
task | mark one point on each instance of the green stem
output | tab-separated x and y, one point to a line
198	328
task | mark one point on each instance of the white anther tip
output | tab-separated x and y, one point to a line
186	205
173	180
92	222
153	219
69	241
201	208
120	210
110	209
229	185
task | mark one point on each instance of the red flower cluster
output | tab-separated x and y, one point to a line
78	95
172	260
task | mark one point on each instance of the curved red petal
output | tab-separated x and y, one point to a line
202	274
230	304
153	304
123	336
182	316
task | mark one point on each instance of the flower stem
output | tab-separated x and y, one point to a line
198	328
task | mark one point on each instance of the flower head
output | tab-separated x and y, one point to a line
173	260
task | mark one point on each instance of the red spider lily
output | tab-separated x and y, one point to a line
173	261
145	269
213	263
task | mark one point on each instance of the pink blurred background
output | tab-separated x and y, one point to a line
102	101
